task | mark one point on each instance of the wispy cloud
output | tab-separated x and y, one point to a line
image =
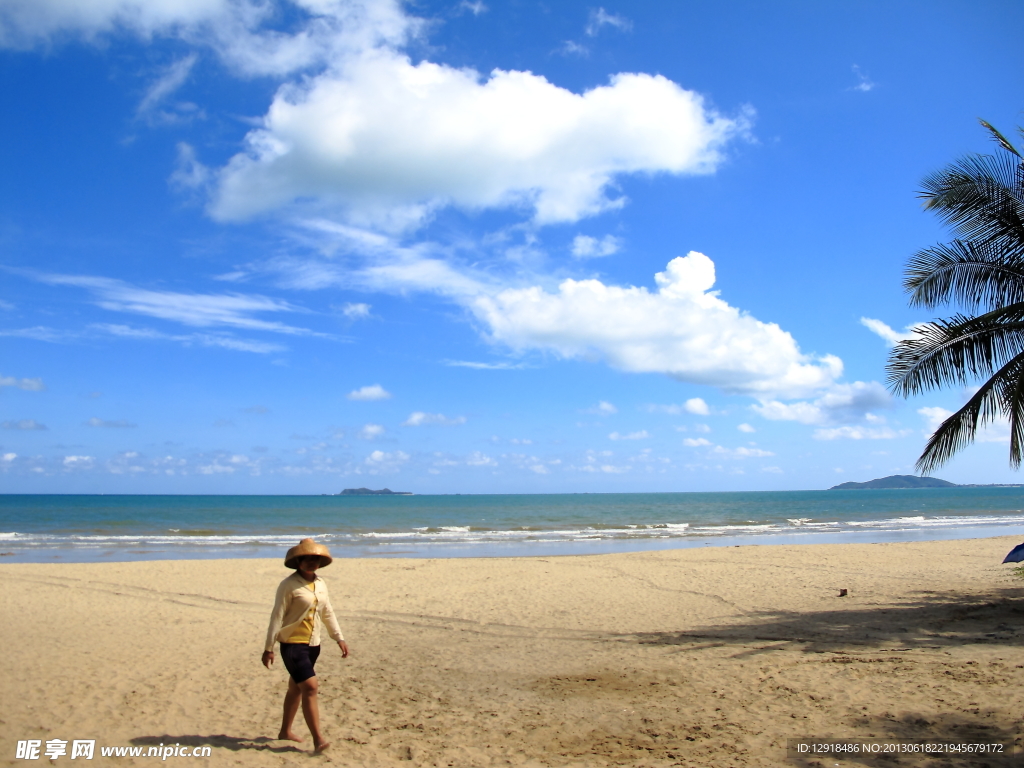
741	453
892	337
116	424
572	48
419	419
864	83
221	340
27	425
29	385
485	366
601	18
860	433
233	310
586	247
39	333
641	435
170	80
355	311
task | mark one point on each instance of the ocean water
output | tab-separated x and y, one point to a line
38	528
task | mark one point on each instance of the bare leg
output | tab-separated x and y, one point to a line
311	711
291	708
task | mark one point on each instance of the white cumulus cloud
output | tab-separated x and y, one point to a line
684	330
933	417
997	431
841	403
371	431
697	406
371	392
479	459
384	462
387	141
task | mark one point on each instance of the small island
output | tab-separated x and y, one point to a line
368	492
895	481
910	481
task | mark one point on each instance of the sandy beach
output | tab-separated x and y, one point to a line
699	657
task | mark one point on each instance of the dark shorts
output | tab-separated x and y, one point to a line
299	659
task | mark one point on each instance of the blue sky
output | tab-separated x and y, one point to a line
511	247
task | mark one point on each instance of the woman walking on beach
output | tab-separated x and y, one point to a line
301	608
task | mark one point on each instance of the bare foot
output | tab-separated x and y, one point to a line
289	736
322	747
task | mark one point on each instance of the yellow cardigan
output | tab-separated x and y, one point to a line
292	603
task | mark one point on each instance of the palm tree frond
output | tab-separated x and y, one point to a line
959	430
956	351
1001	140
1013	406
967	273
981	197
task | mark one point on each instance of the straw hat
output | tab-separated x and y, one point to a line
307	547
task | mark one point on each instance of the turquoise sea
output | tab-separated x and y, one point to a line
38	528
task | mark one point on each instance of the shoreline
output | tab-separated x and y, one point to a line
470	550
685	657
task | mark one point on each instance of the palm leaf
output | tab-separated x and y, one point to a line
1001	394
1001	140
957	351
981	197
967	273
1013	408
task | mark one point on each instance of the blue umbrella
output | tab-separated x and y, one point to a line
1016	555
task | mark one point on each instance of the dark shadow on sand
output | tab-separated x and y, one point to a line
929	620
218	741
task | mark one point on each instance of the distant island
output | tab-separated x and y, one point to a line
913	481
368	492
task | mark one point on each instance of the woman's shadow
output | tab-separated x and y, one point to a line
218	741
